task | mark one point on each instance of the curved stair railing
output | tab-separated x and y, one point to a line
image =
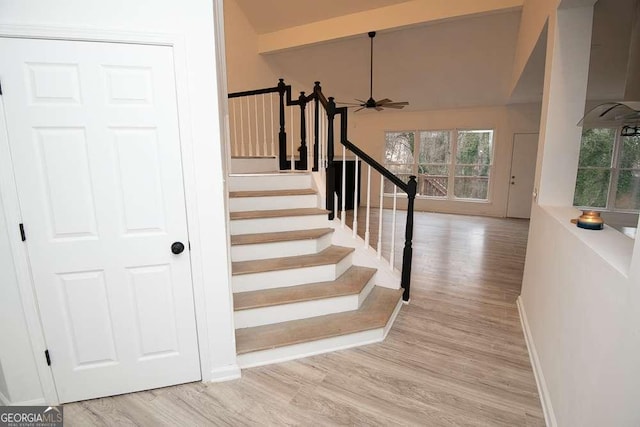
258	118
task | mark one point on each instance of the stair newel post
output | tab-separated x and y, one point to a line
282	135
302	101
330	173
407	254
316	125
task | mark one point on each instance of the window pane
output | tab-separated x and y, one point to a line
434	170
592	186
401	169
596	148
628	195
630	154
474	147
435	147
389	186
399	147
471	187
433	186
477	170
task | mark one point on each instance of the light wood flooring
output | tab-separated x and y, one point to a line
455	356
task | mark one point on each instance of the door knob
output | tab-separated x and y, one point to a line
177	248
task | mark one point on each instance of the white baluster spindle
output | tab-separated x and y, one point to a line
393	227
380	217
235	129
273	148
242	148
356	190
293	159
367	234
343	216
249	127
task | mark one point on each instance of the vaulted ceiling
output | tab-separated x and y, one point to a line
272	15
463	60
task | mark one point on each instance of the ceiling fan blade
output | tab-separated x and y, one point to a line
361	108
349	103
396	107
396	104
361	101
378	108
384	101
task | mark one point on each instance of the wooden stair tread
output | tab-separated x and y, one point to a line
280	236
277	213
351	282
273	193
331	255
374	313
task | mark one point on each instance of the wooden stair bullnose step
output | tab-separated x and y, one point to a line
280	236
374	313
272	193
350	282
331	255
277	213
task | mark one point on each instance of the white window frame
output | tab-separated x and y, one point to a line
453	139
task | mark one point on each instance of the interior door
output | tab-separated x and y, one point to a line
523	171
93	132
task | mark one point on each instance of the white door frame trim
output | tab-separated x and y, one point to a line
8	190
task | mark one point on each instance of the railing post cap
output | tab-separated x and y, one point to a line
281	80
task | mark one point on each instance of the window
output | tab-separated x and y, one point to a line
608	175
449	164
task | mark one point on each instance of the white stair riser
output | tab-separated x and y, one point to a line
283	181
264	203
254	165
301	310
291	277
297	351
272	225
280	249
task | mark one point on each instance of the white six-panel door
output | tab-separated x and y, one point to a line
93	131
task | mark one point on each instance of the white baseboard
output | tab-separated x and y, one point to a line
543	391
225	373
4	400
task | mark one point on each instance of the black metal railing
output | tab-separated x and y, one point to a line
328	106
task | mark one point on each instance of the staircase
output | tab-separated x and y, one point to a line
297	291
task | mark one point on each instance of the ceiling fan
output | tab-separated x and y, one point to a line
624	113
372	103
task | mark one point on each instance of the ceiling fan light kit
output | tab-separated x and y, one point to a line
372	103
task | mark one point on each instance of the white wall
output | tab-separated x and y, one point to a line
367	131
19	382
580	296
584	320
246	70
193	23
